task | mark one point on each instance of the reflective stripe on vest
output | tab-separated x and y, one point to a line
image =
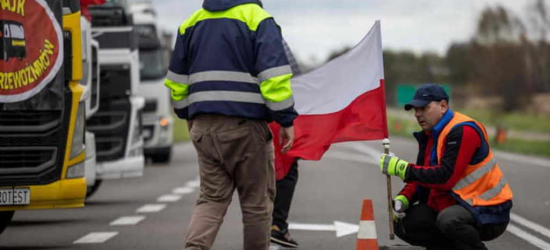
274	72
182	79
477	185
230	76
478	173
491	193
234	97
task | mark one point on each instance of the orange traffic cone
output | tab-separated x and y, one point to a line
366	237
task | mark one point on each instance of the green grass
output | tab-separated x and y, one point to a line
539	148
402	127
181	133
514	121
405	128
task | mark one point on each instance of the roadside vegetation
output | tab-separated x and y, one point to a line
519	123
181	133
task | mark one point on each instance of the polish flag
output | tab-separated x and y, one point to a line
341	101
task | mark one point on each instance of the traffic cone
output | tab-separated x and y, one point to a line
366	237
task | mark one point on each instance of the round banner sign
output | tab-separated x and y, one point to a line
31	52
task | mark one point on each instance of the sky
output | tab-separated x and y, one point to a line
314	28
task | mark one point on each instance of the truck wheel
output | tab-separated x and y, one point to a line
91	190
162	156
5	219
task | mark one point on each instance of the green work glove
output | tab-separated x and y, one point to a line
392	165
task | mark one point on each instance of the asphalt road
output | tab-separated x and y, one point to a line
153	212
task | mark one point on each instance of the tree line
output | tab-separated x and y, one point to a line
507	57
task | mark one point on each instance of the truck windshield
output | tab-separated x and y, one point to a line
17	31
123	3
151	64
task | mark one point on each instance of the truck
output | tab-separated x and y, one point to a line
157	113
12	40
91	84
117	125
42	109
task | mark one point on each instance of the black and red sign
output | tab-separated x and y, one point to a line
31	51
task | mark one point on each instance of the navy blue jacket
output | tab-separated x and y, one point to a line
229	59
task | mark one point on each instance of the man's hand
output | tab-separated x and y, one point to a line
392	165
286	138
400	203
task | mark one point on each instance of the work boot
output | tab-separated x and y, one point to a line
282	237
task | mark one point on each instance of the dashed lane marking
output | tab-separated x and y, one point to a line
183	190
127	220
96	237
151	208
194	183
169	198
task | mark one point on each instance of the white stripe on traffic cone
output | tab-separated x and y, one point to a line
366	237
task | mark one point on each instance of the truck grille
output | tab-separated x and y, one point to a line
26	160
109	148
150	106
148	133
29	122
105	121
110	126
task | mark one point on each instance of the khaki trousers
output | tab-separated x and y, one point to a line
234	153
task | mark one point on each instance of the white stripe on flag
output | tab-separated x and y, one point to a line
346	77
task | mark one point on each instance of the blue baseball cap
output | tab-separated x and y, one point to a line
425	94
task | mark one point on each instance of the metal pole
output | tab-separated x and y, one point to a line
386	143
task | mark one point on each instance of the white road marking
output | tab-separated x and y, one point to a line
366	149
183	190
151	208
535	241
341	228
354	157
362	153
533	160
127	220
169	198
97	237
531	225
194	183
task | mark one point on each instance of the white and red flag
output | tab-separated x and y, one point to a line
343	100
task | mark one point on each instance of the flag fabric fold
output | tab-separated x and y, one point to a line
343	100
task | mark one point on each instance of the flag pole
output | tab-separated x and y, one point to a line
386	143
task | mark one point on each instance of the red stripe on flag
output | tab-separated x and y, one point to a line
363	119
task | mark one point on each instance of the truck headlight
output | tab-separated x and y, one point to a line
77	145
76	170
164	122
136	133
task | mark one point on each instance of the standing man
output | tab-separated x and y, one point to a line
286	174
456	197
229	76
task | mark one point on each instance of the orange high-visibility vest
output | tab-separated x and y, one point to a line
482	184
